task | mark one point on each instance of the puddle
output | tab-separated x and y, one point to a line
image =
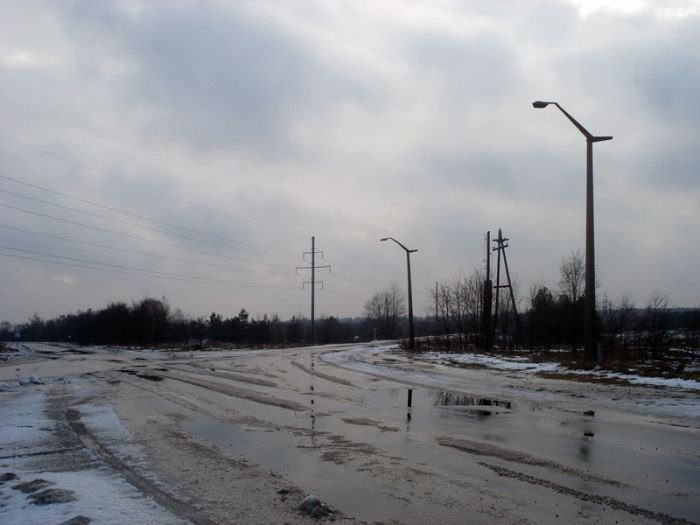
299	456
298	459
361	414
431	406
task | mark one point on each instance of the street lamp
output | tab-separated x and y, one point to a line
411	334
589	334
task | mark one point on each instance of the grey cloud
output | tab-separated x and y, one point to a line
220	77
673	166
649	86
474	69
666	72
423	131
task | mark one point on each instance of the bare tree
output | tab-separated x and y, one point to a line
571	283
656	323
384	309
618	319
572	273
459	307
395	301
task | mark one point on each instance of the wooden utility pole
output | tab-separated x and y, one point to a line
500	248
487	298
436	307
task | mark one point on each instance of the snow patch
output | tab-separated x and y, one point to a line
104	423
522	364
102	495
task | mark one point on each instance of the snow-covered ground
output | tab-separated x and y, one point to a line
14	352
28	437
524	365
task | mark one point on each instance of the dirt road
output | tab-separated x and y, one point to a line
243	436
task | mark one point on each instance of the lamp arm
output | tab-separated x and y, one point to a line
575	122
397	242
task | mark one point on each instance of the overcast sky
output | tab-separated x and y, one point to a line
197	146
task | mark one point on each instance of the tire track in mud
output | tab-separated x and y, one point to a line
327	377
225	374
206	364
88	439
197	404
331	448
42	453
484	449
607	501
249	395
365	421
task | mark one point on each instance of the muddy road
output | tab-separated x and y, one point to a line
243	436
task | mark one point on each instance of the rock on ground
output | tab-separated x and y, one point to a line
314	507
78	520
8	476
49	496
32	486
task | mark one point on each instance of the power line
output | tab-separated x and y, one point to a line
146	254
365	279
72	265
146	272
336	293
161	194
125	180
131	224
136	237
352	280
138	216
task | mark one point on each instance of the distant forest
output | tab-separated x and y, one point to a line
552	320
152	322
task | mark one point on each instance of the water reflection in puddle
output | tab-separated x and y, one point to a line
291	456
465	403
291	453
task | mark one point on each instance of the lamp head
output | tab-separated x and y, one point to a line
539	104
384	239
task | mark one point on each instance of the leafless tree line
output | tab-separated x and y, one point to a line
458	314
552	318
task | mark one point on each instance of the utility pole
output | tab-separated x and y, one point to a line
488	297
436	307
497	249
501	246
313	268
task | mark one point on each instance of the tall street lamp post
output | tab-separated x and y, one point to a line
589	334
411	334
